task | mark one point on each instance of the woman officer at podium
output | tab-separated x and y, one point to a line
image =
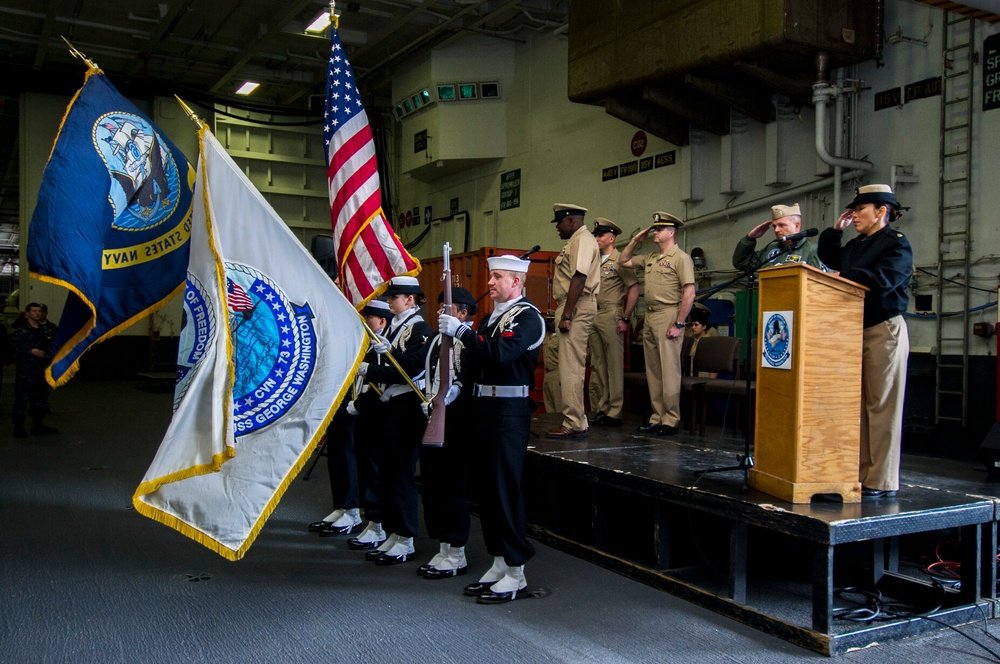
880	258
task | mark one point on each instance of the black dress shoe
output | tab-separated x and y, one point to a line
331	530
423	570
19	432
434	573
875	494
478	588
356	545
317	526
649	428
608	421
490	597
374	555
385	559
666	430
597	419
42	430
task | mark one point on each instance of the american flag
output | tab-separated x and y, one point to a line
239	301
368	252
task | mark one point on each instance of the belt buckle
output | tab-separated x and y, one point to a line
494	390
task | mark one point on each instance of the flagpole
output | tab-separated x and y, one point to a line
334	19
187	109
78	54
393	362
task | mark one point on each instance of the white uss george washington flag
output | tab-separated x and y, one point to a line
267	347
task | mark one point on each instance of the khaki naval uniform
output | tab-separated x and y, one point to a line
607	345
581	254
666	276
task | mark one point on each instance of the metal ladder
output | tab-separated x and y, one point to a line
951	401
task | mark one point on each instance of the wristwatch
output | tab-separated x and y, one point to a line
680	325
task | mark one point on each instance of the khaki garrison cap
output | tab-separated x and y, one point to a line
780	211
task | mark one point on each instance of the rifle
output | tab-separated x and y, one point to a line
434	433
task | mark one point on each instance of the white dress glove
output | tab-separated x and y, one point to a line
351	410
381	347
448	324
363	369
452	394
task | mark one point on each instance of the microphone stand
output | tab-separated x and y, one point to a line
744	462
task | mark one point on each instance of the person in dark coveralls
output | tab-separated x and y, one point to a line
351	477
407	340
880	258
30	345
444	469
504	352
786	220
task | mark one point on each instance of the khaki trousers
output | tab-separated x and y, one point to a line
573	361
663	366
551	392
884	356
607	364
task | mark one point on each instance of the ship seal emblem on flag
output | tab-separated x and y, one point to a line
145	186
274	347
198	328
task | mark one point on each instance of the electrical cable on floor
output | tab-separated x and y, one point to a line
872	607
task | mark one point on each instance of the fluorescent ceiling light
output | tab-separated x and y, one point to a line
247	88
320	23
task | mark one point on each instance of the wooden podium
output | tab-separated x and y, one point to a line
808	422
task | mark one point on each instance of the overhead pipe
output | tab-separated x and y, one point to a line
822	93
782	196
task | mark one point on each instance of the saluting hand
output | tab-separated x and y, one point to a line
759	230
845	220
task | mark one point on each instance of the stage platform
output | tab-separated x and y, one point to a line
634	504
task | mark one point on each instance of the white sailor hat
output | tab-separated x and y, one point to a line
512	263
781	211
665	219
602	225
562	210
403	286
377	308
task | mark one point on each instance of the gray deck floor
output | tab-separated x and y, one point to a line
84	578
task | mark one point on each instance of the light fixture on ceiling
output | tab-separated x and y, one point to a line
320	23
247	88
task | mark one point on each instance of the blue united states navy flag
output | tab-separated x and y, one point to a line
267	346
112	221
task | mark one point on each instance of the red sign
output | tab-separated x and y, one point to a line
638	143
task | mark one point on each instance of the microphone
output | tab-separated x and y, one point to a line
812	232
537	247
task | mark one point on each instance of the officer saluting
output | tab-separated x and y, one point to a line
504	354
669	296
615	303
